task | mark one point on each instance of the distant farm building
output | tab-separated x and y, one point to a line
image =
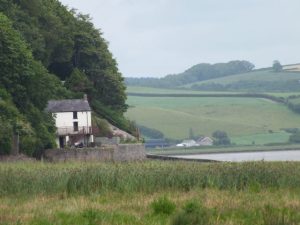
202	141
187	143
205	141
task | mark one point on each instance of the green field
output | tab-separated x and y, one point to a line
244	119
150	193
258	75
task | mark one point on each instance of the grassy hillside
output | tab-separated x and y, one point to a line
256	75
244	119
263	80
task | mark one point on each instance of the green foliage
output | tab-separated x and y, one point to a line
196	73
114	117
30	87
6	132
192	214
150	132
42	43
277	67
163	205
191	133
220	138
103	127
295	138
78	82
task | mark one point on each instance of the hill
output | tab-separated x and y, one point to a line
246	120
200	72
42	43
265	80
234	76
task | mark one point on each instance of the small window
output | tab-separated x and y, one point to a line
75	125
75	115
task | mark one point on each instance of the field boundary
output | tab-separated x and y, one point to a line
246	95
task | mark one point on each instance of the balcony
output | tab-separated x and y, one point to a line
64	131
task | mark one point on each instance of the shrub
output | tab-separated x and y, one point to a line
163	206
295	138
220	138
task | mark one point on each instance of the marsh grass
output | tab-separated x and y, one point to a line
219	206
260	193
146	177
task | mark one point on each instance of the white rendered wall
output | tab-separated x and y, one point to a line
65	119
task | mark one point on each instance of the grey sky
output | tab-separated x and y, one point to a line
160	37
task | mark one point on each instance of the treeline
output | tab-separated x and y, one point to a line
150	132
200	72
41	44
293	102
250	86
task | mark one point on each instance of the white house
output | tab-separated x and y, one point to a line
73	120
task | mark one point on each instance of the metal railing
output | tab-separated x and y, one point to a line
74	130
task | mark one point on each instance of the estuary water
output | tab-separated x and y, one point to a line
288	155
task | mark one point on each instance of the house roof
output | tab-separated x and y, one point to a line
68	105
204	139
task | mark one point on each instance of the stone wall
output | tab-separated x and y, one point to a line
113	153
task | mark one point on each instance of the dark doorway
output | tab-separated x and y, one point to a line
61	142
75	125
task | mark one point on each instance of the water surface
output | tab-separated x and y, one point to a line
288	155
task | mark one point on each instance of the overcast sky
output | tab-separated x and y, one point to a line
160	37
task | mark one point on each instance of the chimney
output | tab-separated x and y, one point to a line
85	98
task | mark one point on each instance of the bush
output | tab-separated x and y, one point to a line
103	126
192	214
295	138
163	206
220	138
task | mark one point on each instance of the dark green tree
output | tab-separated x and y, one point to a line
295	138
277	67
191	134
220	138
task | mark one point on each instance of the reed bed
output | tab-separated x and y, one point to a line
145	177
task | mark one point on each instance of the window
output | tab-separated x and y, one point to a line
75	115
75	125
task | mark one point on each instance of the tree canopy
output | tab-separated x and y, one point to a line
43	43
277	67
199	72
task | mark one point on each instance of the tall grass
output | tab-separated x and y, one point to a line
148	177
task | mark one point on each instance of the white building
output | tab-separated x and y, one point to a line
73	120
187	143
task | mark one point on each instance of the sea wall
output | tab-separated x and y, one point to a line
111	153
